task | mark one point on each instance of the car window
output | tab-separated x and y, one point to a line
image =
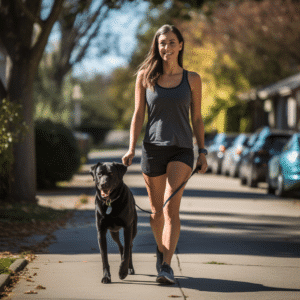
288	146
275	144
228	141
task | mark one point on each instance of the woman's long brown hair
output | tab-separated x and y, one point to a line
153	65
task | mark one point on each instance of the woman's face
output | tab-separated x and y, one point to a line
169	46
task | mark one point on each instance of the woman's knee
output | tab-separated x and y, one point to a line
171	216
157	217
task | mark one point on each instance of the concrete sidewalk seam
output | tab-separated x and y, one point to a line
178	283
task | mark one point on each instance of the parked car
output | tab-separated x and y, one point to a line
217	149
233	154
284	169
235	166
254	166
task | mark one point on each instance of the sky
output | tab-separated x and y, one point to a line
123	22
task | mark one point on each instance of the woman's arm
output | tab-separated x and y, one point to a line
197	122
137	118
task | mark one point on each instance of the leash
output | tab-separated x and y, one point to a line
174	193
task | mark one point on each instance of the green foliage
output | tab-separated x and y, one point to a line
57	153
5	264
12	129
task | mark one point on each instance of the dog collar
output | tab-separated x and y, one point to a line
107	200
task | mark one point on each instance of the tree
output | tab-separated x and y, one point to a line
79	25
221	76
261	36
24	35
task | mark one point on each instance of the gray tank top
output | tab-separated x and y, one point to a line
168	115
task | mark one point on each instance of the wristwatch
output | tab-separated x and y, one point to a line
202	150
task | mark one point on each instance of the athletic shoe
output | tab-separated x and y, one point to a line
159	259
166	275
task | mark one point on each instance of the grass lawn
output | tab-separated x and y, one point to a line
5	263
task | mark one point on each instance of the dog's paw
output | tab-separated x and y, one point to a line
123	272
106	279
106	276
131	271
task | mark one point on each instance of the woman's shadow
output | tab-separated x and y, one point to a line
225	286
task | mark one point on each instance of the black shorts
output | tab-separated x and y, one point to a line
156	158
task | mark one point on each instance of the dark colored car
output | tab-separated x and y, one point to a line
284	169
233	155
217	149
254	167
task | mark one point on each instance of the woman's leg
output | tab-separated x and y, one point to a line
177	173
156	188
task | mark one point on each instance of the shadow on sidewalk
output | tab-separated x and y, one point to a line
226	286
202	232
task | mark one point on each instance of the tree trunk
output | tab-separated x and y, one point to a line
20	90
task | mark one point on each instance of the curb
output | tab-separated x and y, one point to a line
17	266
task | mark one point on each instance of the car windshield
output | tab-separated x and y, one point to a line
252	140
229	140
274	144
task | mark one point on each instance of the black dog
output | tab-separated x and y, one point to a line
115	209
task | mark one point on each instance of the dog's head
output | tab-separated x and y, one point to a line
107	176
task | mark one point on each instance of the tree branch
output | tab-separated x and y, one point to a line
28	13
40	45
93	35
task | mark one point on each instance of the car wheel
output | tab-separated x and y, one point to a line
271	190
280	192
243	181
251	182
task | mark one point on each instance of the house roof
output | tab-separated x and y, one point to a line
283	87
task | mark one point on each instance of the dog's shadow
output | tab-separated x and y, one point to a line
209	285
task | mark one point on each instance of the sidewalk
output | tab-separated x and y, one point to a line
235	243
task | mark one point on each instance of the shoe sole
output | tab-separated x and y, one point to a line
163	279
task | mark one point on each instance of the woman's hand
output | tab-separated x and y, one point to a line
202	163
128	157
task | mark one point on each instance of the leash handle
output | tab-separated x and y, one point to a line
174	193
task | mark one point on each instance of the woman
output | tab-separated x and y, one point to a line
169	92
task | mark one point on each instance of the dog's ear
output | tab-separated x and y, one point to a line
93	170
121	169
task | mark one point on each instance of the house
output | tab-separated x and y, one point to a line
276	105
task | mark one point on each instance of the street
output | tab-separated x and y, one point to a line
235	243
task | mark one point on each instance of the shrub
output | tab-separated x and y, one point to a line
12	129
57	153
